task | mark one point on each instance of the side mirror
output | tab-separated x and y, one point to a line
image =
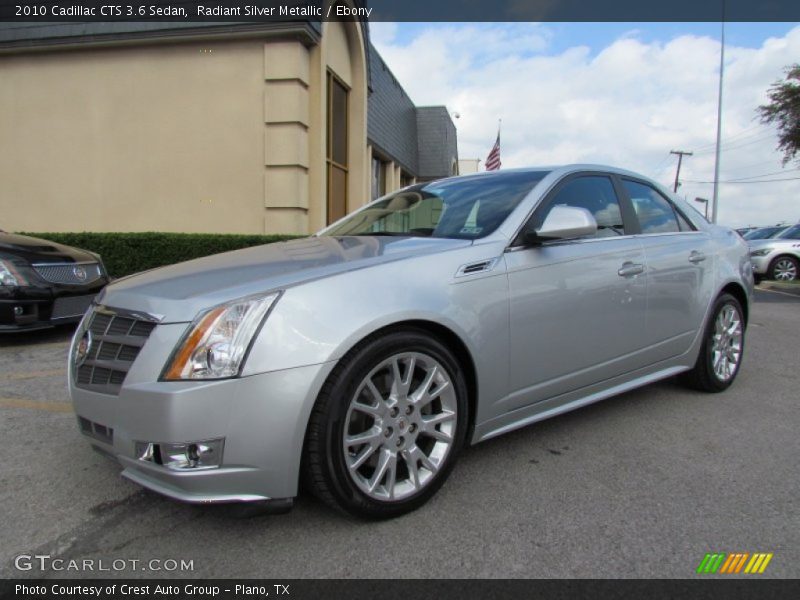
563	223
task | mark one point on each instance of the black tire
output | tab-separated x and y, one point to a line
703	376
325	468
773	266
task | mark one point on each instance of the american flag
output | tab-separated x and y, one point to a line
493	160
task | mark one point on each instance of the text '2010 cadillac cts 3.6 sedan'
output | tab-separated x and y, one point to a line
361	360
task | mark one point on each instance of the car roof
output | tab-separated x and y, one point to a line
564	169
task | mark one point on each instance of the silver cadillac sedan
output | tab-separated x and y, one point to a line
360	361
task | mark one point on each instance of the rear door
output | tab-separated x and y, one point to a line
680	268
577	307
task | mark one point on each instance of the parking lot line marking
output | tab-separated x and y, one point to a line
35	346
32	374
778	292
56	407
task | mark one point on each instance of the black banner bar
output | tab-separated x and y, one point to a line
260	11
738	588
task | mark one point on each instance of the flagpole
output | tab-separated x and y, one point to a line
499	125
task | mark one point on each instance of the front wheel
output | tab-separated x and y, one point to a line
721	353
388	426
784	268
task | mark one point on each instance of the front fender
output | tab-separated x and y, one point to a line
322	320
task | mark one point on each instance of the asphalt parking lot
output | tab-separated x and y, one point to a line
642	485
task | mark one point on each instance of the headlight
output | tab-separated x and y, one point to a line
218	340
761	252
9	275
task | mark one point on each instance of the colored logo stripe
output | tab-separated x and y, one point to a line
733	562
711	563
758	563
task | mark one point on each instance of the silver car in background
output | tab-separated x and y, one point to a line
363	359
777	258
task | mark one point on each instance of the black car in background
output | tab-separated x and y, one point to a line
43	284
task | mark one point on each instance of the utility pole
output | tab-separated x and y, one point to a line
715	197
680	154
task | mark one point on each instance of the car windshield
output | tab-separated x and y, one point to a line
793	233
467	208
763	233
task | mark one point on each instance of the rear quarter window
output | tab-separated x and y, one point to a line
655	213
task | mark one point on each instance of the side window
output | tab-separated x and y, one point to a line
596	194
793	233
655	213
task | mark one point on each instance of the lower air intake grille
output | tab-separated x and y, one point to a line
97	431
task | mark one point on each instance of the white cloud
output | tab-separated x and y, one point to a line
626	105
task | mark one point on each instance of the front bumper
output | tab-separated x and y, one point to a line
760	264
262	419
29	308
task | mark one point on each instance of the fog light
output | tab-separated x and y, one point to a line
183	456
18	310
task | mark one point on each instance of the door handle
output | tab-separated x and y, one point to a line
629	269
696	257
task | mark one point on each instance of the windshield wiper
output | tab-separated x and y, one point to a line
387	234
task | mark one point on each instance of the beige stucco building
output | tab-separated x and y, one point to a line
256	128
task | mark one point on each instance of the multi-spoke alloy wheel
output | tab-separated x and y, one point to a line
400	426
721	354
387	426
726	348
784	268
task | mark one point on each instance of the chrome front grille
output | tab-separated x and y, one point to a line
115	339
69	273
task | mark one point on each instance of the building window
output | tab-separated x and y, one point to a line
378	177
336	150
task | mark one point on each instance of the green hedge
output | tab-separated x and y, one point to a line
126	253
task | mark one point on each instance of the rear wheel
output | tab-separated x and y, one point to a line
721	354
388	426
784	268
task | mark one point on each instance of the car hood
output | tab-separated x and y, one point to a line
35	250
179	292
777	243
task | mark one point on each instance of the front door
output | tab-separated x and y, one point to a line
577	308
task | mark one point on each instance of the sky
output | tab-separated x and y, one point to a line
623	94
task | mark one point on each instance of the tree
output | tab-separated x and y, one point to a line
783	110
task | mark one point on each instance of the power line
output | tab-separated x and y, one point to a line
733	181
733	138
660	164
771	161
763	175
736	145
